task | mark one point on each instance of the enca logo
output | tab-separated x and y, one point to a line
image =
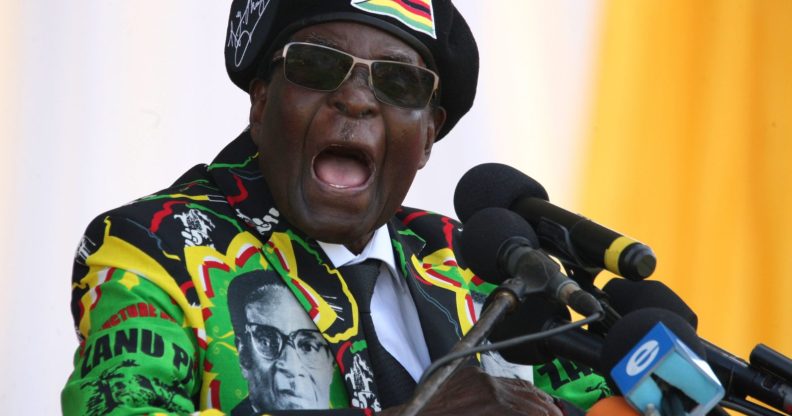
643	357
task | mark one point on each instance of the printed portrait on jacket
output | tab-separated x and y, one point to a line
283	356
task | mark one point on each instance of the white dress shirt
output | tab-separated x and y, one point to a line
392	308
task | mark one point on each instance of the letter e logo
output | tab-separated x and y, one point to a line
643	357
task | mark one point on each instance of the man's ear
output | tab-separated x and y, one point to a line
258	99
434	126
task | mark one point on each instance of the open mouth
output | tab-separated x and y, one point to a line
342	167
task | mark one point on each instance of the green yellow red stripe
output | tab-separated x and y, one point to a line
414	13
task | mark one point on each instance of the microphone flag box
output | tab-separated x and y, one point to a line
662	356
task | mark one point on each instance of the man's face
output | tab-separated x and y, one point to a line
284	358
340	163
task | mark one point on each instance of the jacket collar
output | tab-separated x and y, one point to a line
236	172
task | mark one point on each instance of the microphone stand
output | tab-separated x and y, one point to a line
504	300
584	276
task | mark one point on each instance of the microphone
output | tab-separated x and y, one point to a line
663	370
771	361
568	236
740	379
626	296
499	245
673	373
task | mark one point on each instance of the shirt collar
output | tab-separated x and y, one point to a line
379	247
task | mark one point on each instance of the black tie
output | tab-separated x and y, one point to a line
394	383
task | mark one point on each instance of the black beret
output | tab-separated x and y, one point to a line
433	27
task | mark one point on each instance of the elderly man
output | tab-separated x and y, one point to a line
348	98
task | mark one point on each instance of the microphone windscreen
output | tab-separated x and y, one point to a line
531	316
632	327
486	234
626	296
612	406
493	185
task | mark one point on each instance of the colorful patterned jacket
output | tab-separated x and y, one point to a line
156	304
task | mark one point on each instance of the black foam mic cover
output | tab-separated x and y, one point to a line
564	234
486	234
626	296
738	377
493	185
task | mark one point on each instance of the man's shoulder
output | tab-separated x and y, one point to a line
199	186
195	187
191	211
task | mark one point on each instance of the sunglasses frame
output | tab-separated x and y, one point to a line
285	340
359	61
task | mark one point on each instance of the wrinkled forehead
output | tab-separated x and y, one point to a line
276	306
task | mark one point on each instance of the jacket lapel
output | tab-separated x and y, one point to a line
438	288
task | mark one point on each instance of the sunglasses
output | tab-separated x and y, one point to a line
323	68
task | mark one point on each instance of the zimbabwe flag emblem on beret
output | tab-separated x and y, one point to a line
416	14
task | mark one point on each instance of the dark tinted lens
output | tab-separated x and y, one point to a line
316	67
401	84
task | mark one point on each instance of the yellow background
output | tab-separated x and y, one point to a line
690	150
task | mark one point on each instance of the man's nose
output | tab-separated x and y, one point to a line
354	97
289	360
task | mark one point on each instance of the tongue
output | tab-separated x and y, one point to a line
340	171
